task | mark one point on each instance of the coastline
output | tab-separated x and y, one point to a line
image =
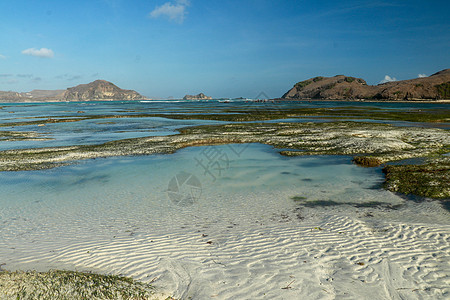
205	250
445	101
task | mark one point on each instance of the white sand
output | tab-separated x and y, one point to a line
233	243
329	254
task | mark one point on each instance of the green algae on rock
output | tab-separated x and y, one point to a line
431	179
58	284
371	144
253	113
384	142
21	136
367	161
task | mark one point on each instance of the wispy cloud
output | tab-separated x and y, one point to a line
388	78
2	56
43	52
25	75
112	3
175	11
6	75
367	5
422	75
69	77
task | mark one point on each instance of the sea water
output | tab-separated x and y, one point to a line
109	214
246	183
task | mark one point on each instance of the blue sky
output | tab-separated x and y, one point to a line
230	48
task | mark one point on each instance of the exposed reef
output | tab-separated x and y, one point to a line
370	143
251	114
21	136
431	179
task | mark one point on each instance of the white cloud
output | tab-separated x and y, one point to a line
43	52
388	78
422	75
2	56
175	11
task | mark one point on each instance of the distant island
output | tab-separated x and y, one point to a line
200	96
98	90
340	87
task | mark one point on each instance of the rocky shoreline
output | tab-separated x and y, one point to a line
370	144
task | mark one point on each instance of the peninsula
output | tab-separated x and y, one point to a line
340	87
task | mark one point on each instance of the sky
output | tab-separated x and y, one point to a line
164	48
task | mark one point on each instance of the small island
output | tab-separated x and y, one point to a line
200	96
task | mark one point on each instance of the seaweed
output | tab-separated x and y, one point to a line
61	284
367	161
427	180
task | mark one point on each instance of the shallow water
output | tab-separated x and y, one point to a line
241	214
242	180
114	120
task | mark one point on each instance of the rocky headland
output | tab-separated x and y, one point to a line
99	90
340	87
200	96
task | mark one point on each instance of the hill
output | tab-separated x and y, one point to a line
99	90
340	87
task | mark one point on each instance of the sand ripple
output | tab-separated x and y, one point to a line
324	256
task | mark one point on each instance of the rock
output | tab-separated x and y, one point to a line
200	96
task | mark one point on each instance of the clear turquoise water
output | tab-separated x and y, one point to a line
204	216
229	180
100	197
244	168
